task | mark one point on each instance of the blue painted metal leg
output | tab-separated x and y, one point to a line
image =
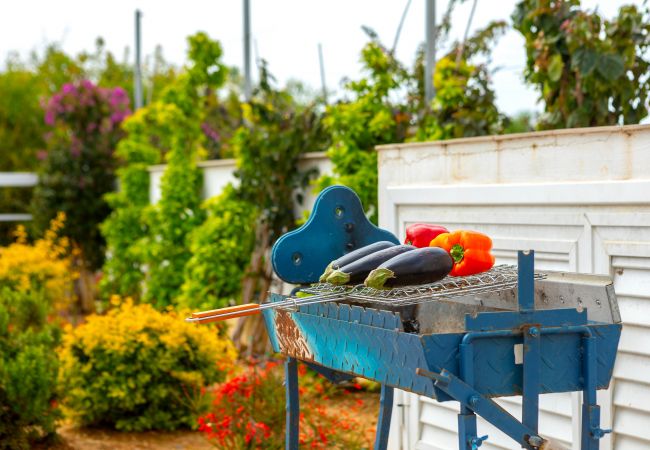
487	408
467	437
383	423
293	405
531	375
467	432
591	431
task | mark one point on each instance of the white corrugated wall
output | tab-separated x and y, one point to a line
595	219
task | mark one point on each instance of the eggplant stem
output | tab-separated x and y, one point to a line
338	277
378	277
328	271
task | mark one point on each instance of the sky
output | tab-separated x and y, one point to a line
286	33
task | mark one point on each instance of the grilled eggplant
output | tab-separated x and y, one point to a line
420	266
358	270
353	256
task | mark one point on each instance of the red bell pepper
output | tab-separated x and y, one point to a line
470	251
421	234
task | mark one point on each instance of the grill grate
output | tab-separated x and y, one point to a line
499	278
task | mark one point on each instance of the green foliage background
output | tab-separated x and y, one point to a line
590	71
28	369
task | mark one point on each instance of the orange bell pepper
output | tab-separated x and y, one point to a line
470	251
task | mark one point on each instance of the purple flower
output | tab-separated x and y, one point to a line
75	147
87	84
210	132
49	117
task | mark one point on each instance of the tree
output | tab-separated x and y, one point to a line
370	116
589	71
79	167
464	102
172	220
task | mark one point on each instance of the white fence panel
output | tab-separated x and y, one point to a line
581	199
17	179
218	173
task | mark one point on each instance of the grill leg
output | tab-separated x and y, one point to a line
293	405
383	422
591	431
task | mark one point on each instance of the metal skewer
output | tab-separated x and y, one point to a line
292	303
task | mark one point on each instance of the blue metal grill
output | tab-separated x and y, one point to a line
443	343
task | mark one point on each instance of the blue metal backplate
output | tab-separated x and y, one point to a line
371	343
337	225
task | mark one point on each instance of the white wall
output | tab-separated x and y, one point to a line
218	173
16	179
581	199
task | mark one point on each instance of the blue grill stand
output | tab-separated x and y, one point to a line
562	350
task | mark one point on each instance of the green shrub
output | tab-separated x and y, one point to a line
221	248
149	133
139	369
28	369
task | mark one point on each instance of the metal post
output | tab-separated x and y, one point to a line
247	50
322	72
137	72
526	280
430	57
461	49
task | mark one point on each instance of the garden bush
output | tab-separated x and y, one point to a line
28	370
137	368
35	281
249	413
221	249
42	267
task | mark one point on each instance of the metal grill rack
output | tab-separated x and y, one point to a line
499	278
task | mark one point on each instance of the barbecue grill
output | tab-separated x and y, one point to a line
508	331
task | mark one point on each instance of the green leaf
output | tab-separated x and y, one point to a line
555	68
610	66
584	60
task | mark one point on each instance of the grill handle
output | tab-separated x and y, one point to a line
230	312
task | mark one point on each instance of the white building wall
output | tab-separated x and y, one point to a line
581	199
218	173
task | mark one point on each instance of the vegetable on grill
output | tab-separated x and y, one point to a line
353	256
358	270
421	266
470	251
421	234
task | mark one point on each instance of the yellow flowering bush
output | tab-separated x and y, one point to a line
137	368
43	266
